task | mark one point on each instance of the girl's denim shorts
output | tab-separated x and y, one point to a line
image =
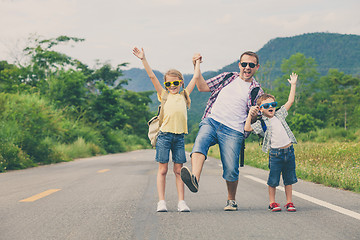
170	141
282	161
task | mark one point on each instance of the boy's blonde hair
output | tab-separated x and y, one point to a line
176	73
263	98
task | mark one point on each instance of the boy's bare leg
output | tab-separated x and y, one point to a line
232	187
288	193
197	163
272	191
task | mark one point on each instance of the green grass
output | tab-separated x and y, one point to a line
78	149
335	164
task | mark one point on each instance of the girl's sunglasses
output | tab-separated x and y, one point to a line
175	83
267	105
251	65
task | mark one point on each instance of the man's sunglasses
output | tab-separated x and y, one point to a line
244	64
267	105
175	83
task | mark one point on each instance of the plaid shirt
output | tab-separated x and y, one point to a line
216	84
281	114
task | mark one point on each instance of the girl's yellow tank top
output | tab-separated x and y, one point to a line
175	113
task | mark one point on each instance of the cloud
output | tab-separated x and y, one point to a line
172	30
225	19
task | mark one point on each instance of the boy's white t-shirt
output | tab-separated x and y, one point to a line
230	110
279	137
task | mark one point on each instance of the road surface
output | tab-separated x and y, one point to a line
115	196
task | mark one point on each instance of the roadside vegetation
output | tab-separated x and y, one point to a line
54	108
332	160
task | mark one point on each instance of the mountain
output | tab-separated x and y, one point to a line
330	50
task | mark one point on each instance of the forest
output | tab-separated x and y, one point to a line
55	108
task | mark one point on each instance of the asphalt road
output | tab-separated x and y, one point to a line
114	197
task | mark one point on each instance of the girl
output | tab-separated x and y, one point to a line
173	128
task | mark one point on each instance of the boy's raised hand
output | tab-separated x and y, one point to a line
293	78
254	111
139	53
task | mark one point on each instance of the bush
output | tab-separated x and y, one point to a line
31	130
118	141
12	157
329	134
78	149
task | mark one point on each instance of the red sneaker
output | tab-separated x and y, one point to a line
290	207
274	207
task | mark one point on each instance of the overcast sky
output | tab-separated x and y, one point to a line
170	31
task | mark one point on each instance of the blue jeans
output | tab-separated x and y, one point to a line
282	161
170	141
212	132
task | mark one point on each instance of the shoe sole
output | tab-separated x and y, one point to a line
230	209
187	179
162	210
184	210
275	210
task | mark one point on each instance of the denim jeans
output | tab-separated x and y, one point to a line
282	161
170	141
212	132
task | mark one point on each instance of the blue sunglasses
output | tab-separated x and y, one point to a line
267	105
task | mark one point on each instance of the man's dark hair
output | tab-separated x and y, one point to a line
250	53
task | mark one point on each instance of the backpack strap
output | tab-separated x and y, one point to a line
227	76
253	95
161	107
263	125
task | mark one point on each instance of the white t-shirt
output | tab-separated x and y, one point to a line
231	105
279	137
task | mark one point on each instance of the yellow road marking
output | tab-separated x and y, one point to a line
40	195
103	170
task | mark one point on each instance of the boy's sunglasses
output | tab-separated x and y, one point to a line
244	64
175	83
267	105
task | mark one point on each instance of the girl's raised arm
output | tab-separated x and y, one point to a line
190	87
141	55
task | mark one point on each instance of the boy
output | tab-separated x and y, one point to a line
279	139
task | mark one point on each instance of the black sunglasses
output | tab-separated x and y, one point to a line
175	83
267	105
244	64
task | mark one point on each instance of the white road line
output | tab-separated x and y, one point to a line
312	199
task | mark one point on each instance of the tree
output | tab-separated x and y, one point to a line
67	88
344	96
306	70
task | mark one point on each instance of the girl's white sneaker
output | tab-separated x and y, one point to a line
182	207
161	206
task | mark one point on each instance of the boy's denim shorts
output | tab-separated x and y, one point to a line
212	132
282	161
170	141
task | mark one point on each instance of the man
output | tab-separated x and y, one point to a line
232	95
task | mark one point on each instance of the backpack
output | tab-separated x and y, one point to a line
155	122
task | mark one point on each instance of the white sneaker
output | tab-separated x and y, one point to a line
182	207
161	206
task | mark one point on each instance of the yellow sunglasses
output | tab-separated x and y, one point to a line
174	83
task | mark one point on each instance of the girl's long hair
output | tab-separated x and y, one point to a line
176	73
